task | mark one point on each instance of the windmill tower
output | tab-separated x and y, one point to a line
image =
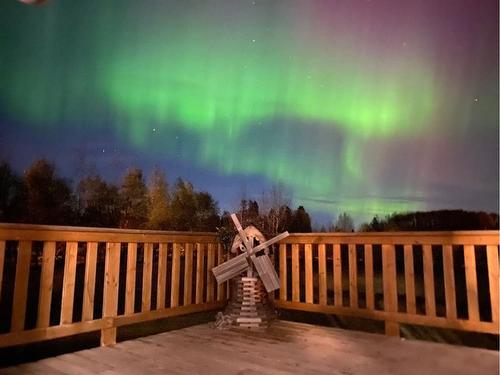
248	306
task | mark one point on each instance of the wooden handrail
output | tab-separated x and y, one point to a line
486	237
30	232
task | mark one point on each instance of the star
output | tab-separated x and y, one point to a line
154	129
253	40
476	99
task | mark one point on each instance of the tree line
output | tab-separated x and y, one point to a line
444	220
437	220
41	196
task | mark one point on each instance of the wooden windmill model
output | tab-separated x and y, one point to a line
248	305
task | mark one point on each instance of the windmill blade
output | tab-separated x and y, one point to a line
265	269
231	268
241	232
262	246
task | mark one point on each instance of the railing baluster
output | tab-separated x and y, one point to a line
174	295
411	305
89	287
199	273
337	274
295	273
370	295
283	272
147	273
2	260
21	286
471	281
130	278
188	274
111	280
210	275
162	276
68	291
449	282
430	299
46	281
221	295
353	277
492	255
389	284
322	274
309	272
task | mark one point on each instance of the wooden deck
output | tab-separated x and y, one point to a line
285	348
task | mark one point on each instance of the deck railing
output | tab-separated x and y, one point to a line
439	279
62	281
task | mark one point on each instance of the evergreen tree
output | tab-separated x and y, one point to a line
159	202
133	200
248	213
301	222
207	213
285	216
99	203
376	224
49	198
183	207
12	195
344	223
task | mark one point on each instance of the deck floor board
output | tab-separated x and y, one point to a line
285	348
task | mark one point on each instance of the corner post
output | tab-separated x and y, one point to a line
392	328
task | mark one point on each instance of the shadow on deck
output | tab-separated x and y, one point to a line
284	348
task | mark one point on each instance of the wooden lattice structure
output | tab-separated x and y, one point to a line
248	306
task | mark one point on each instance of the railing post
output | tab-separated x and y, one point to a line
2	259
369	279
68	291
322	275
390	290
110	303
210	276
295	273
174	286
90	274
130	278
147	271
199	273
46	284
283	272
309	272
21	286
392	328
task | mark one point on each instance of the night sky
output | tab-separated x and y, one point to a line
367	107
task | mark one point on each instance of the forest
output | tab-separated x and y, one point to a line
41	196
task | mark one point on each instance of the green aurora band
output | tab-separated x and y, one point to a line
235	80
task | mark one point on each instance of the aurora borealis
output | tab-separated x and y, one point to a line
368	107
